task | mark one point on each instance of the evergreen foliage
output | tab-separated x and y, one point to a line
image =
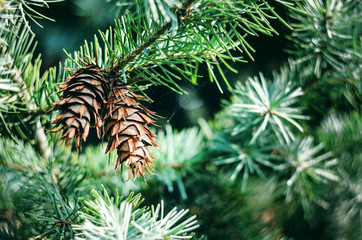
180	153
255	105
281	160
116	219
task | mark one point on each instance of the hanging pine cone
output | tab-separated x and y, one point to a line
126	123
84	96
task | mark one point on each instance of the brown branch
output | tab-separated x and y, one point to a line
140	49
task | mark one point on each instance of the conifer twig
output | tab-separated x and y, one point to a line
173	55
146	44
140	49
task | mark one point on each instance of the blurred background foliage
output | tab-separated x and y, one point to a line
277	157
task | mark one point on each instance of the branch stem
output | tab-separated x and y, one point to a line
141	48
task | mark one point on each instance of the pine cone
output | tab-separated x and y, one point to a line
126	124
84	96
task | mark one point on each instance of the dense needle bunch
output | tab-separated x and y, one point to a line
84	97
126	124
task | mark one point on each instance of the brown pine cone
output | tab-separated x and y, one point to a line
84	96
126	123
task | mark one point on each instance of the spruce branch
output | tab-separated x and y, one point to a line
21	10
41	141
242	158
307	168
17	49
55	211
180	153
257	104
325	39
141	48
106	218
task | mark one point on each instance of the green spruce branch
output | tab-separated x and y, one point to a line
141	48
199	36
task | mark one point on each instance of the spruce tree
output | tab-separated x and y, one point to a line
281	160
